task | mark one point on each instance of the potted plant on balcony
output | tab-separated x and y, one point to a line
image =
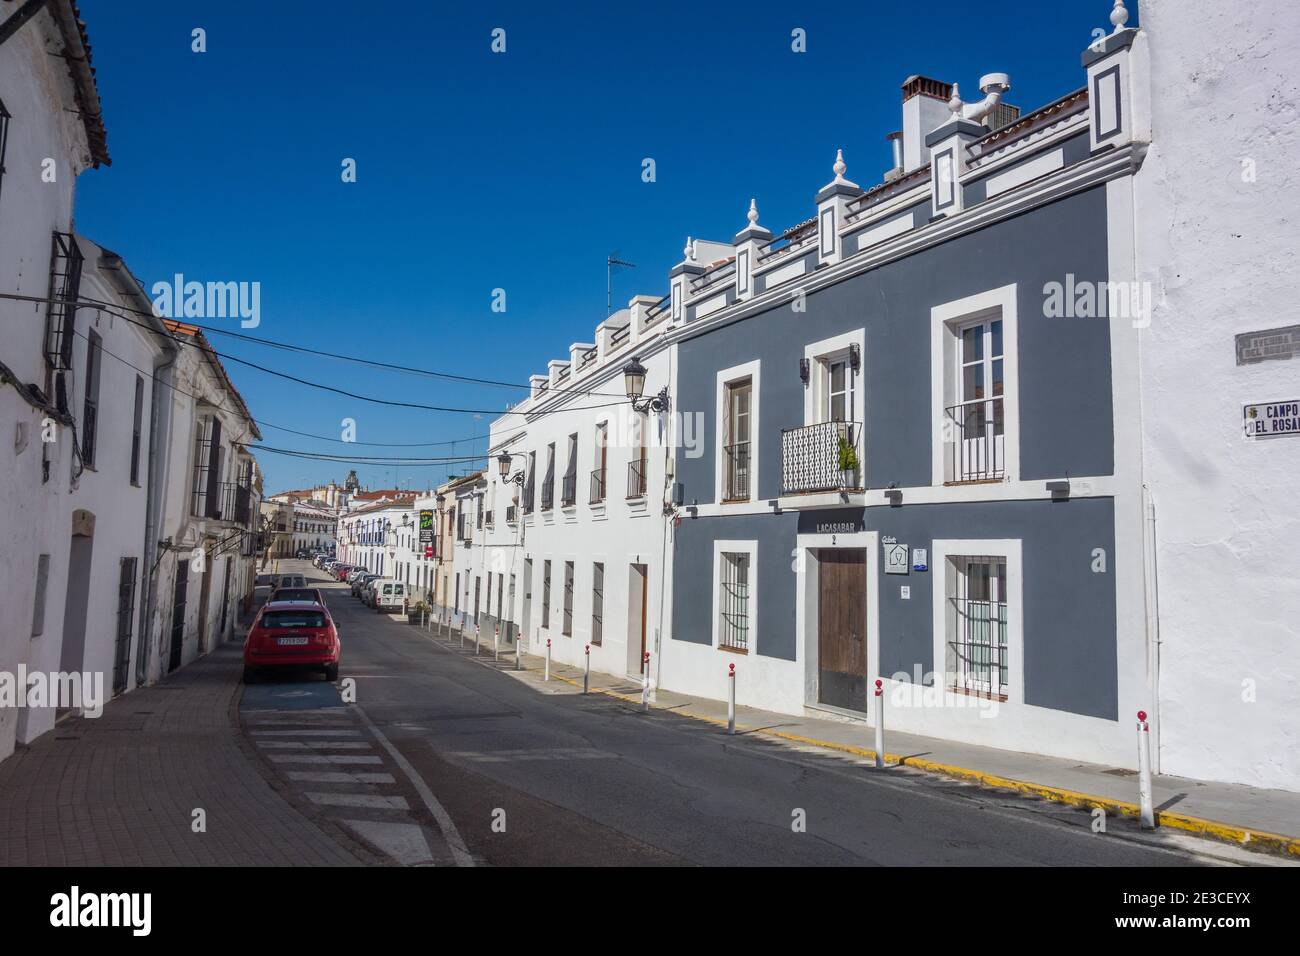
849	464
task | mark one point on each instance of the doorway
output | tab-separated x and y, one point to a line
180	591
638	592
72	653
526	615
842	628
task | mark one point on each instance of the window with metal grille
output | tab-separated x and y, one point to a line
733	601
978	419
125	615
977	626
546	594
4	139
135	430
90	406
38	605
597	603
736	450
548	483
61	310
569	493
568	599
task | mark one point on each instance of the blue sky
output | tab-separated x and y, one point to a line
478	171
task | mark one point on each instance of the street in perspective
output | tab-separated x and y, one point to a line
938	514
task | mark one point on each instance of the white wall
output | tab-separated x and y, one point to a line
33	515
618	535
1221	254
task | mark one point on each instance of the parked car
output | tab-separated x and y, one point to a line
341	572
289	581
356	573
292	634
390	596
297	594
368	591
359	584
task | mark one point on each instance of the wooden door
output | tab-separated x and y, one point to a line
842	628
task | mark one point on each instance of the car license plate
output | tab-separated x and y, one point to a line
290	641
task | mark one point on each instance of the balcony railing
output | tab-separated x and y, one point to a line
530	497
61	310
233	503
811	459
487	519
597	486
569	490
975	443
548	493
636	483
736	486
512	514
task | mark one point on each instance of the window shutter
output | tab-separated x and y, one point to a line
214	470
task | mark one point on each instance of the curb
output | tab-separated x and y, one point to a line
1249	838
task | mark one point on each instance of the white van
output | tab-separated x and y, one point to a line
390	595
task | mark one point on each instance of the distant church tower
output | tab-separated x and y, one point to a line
351	483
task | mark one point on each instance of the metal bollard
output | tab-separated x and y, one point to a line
496	644
547	675
731	698
462	635
519	650
1148	816
477	635
645	682
879	717
586	675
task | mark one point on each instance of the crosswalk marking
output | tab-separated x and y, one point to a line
341	732
314	745
324	758
374	801
338	776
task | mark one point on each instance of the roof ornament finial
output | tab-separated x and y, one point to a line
954	101
839	166
752	215
1119	15
688	253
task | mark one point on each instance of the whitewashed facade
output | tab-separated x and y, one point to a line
579	553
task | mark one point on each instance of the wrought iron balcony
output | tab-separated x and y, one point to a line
597	486
548	493
530	496
232	503
814	458
569	490
736	483
636	478
512	514
974	441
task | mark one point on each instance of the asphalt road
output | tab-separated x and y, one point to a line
529	776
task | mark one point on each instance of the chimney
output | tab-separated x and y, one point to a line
896	141
925	108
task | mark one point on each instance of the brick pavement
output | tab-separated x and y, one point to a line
120	790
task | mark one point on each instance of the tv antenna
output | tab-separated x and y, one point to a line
612	262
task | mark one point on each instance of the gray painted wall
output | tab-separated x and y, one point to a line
1064	364
1069	612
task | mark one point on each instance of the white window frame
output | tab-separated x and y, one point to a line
728	376
1009	549
749	548
946	322
816	395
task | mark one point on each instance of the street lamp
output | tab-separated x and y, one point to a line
634	385
503	467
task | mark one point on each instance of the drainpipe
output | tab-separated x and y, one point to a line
162	375
1152	596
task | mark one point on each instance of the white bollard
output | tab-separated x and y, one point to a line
547	674
519	650
586	674
880	725
645	682
496	644
477	635
462	635
1148	816
731	699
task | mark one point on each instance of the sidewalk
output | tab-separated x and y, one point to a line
120	790
1252	818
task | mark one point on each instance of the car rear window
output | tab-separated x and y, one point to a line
397	588
388	589
282	619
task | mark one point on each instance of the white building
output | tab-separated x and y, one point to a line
206	530
314	525
1217	205
369	537
50	132
578	550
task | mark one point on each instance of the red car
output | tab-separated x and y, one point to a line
292	634
341	572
